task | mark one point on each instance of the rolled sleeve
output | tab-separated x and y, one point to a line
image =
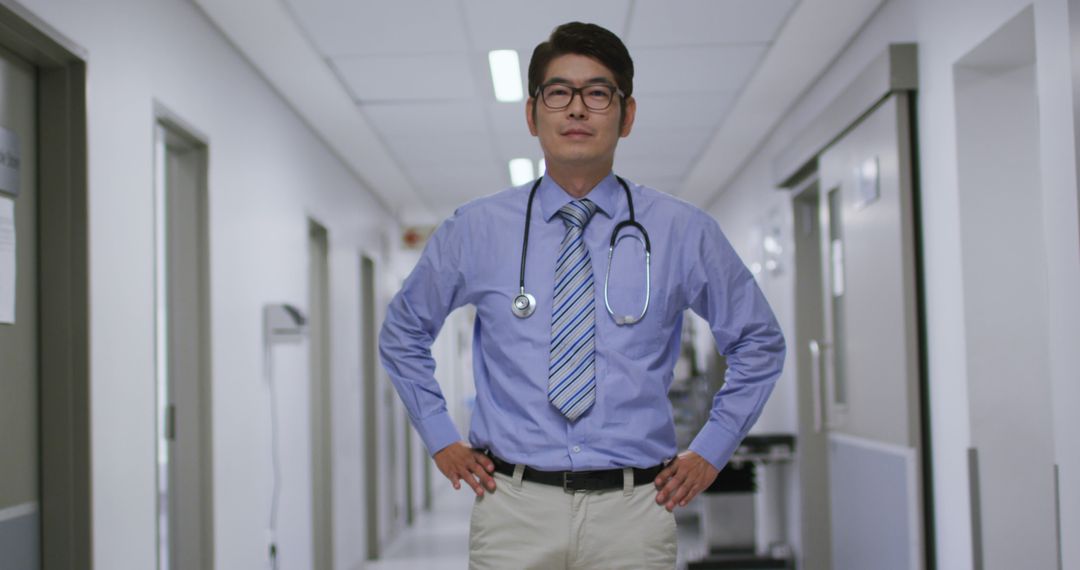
723	292
413	320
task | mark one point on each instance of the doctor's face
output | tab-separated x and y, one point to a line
578	135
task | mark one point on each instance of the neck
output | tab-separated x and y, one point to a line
577	181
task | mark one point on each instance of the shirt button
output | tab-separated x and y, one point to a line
577	449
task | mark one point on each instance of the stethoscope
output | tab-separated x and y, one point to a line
524	304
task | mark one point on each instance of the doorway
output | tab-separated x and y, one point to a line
182	348
45	506
864	461
20	492
1011	459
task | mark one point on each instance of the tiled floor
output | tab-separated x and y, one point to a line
439	539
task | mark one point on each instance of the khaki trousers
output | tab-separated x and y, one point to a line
527	525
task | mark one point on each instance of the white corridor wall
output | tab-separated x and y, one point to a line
945	30
268	173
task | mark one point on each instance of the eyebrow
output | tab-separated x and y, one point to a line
593	81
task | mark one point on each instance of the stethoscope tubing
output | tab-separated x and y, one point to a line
524	304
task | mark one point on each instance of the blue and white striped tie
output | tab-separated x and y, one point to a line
571	373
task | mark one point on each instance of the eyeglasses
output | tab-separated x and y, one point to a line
596	97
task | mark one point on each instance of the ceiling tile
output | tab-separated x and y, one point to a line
438	151
644	168
431	77
518	24
688	22
646	142
697	68
454	185
365	27
508	117
425	118
666	184
700	110
518	145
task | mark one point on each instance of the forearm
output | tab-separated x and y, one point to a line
405	348
753	369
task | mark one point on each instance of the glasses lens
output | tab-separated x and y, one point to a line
557	96
596	97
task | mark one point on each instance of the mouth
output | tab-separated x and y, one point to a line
577	133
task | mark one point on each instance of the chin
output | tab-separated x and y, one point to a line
577	156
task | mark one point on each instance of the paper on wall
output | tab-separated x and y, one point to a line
7	261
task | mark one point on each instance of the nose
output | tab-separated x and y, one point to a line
577	108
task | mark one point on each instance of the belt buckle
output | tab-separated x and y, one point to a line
566	481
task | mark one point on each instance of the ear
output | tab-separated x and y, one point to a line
530	116
628	117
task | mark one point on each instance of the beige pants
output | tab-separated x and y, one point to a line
531	525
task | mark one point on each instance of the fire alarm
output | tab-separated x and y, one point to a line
415	237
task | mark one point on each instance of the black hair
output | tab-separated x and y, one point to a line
589	40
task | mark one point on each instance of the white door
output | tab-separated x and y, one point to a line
869	355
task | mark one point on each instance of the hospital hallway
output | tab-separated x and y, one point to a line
261	261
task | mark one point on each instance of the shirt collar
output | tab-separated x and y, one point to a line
552	197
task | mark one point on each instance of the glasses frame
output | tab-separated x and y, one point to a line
578	92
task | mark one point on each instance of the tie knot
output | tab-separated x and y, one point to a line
577	213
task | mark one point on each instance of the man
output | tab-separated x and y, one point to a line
572	444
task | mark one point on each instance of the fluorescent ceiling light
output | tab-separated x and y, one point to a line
521	171
506	75
541	167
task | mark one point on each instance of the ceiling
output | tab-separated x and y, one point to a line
402	92
418	72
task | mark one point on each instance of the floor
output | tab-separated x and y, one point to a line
439	539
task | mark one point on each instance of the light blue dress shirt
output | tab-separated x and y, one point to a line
474	258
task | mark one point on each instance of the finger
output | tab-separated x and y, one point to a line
665	474
485	479
680	494
455	481
486	462
689	489
472	482
670	486
690	494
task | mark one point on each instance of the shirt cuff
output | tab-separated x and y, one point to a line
715	444
438	431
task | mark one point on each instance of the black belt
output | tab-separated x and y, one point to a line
580	480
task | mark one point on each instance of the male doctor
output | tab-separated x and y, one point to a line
571	451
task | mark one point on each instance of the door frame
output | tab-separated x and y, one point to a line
64	299
172	131
369	402
321	391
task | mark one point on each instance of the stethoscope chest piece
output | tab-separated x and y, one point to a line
524	305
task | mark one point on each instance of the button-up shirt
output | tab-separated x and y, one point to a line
474	258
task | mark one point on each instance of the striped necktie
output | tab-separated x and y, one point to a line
571	373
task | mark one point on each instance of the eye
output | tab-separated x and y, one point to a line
599	92
557	91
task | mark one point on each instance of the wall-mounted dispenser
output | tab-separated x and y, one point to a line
282	324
